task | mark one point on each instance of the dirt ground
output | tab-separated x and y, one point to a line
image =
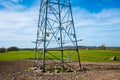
22	70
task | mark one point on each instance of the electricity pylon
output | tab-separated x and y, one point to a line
55	30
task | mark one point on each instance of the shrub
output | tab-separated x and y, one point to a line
13	49
102	47
2	50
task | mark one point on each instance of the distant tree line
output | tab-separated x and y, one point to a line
14	48
2	49
101	47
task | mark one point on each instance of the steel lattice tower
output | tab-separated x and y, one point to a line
55	30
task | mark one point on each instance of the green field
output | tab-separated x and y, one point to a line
16	55
86	55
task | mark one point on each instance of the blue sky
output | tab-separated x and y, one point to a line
96	21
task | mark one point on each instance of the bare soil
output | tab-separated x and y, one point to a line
22	70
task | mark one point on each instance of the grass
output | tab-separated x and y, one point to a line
86	55
16	55
99	55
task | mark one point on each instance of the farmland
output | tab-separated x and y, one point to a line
15	65
86	55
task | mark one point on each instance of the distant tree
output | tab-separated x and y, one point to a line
102	47
2	50
14	48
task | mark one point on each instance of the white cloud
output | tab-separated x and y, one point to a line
16	1
16	20
95	27
18	24
102	27
18	27
105	17
12	4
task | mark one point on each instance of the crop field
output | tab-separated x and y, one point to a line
86	55
16	65
16	55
